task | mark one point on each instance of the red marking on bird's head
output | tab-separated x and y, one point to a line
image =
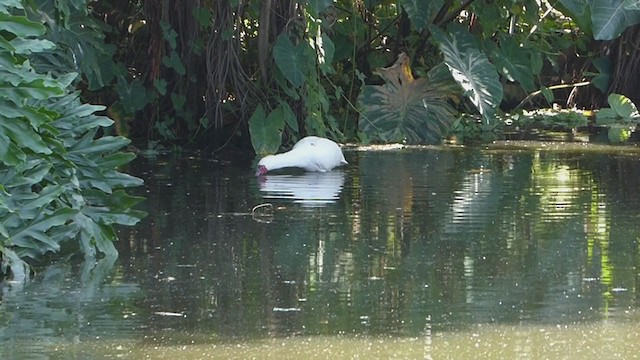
261	170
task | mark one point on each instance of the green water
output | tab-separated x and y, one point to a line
406	253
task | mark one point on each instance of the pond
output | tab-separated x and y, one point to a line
434	253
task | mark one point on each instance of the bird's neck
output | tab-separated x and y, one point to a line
291	158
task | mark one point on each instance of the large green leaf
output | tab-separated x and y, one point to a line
420	12
293	61
603	78
471	69
579	11
405	109
319	6
610	18
133	96
326	50
266	131
632	4
514	62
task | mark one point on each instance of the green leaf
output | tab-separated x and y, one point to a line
202	15
46	196
514	62
602	79
289	117
472	70
420	12
606	116
169	34
8	4
109	216
579	11
29	46
178	101
266	132
173	62
161	86
20	26
404	108
115	160
291	60
22	134
618	133
622	106
319	6
36	117
548	94
326	50
101	145
10	154
610	18
94	235
33	234
632	4
133	96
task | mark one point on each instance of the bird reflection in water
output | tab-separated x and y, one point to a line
308	189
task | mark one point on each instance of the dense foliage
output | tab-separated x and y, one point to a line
59	183
204	73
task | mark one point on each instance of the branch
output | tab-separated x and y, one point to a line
554	87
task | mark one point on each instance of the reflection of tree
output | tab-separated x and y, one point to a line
460	237
67	303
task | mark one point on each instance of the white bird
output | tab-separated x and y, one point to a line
311	153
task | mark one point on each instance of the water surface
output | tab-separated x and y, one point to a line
443	253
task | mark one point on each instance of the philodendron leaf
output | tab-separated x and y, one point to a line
23	135
33	234
472	70
404	108
266	132
20	26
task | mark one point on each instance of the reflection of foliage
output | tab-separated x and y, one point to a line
58	307
59	181
405	109
469	128
621	118
444	235
551	118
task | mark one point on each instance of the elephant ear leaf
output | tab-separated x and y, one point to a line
405	109
471	69
266	131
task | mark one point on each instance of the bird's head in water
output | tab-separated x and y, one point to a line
261	170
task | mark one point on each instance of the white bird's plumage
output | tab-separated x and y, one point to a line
311	153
